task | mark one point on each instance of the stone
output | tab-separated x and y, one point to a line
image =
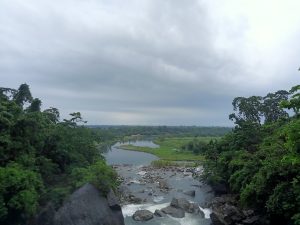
219	189
88	206
251	220
248	212
159	213
191	193
134	199
163	184
174	212
216	219
142	215
46	215
181	203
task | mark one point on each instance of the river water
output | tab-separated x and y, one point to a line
134	166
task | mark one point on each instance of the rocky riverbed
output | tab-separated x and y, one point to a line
168	195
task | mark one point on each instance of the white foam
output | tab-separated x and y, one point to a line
129	210
135	181
157	199
142	173
206	211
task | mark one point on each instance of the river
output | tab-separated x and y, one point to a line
136	171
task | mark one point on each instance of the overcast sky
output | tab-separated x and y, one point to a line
149	62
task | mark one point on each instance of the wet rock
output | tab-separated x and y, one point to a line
142	215
251	220
219	189
159	213
163	184
174	212
191	193
46	215
182	203
194	208
191	170
217	219
248	213
87	206
134	199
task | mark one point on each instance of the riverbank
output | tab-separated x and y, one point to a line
170	149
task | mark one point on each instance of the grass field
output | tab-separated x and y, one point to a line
170	148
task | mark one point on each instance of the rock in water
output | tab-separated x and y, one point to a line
174	212
191	193
87	206
159	213
142	215
182	203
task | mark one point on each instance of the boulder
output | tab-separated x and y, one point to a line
163	184
134	199
251	220
217	219
46	215
159	213
174	212
87	206
191	193
182	203
219	188
142	215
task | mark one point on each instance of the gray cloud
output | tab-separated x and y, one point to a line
144	62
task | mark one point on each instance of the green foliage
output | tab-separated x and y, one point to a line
37	151
20	190
98	174
261	161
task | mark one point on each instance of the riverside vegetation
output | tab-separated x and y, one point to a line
260	160
43	159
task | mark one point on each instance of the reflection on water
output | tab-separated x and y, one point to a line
115	156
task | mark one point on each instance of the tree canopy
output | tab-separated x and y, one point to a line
39	155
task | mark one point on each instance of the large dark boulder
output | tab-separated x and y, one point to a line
219	189
217	219
142	215
87	206
46	215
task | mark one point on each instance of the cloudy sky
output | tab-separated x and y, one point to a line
149	62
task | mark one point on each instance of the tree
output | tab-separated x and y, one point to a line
294	102
35	105
23	95
53	114
271	106
19	193
248	110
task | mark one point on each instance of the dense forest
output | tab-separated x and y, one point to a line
178	131
43	158
260	160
